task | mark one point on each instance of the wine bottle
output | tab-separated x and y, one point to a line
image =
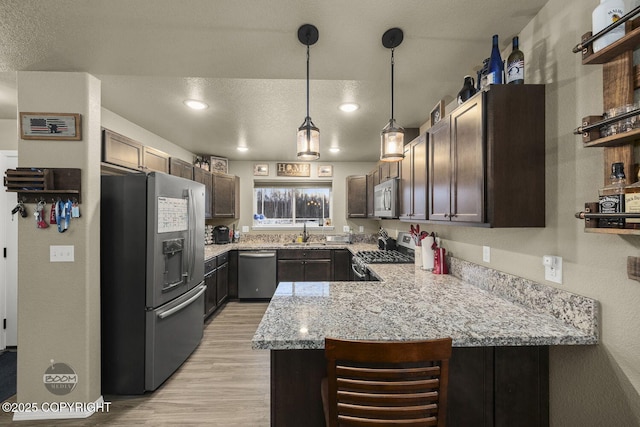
515	65
496	67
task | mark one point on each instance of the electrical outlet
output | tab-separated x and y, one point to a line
552	268
486	254
361	229
345	228
245	228
61	253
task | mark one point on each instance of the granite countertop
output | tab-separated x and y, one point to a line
475	305
409	303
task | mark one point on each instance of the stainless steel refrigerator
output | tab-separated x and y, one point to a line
152	274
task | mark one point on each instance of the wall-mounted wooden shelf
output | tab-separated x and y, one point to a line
627	231
44	184
630	41
615	140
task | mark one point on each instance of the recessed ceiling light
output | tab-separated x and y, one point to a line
243	148
195	104
349	107
334	149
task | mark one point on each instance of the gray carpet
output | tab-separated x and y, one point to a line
7	375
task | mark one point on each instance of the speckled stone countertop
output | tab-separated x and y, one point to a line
475	305
409	303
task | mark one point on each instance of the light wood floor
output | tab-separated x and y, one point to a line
223	383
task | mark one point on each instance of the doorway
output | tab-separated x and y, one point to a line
8	259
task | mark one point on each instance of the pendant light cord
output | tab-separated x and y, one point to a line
307	77
392	63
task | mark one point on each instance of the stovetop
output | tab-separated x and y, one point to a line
384	257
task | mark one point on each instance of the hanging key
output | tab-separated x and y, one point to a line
19	208
40	215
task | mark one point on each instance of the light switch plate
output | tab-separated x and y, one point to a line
61	253
486	254
361	229
552	268
245	228
345	228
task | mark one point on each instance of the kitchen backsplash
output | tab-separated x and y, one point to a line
576	310
290	237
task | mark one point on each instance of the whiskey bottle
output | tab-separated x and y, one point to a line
632	204
612	197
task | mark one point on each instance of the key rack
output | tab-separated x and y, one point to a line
44	184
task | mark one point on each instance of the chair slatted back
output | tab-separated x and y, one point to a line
375	383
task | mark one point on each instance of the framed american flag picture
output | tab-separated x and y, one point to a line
61	126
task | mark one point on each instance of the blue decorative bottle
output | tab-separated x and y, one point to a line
496	66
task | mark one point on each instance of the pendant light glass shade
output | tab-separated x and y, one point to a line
392	142
308	145
308	141
392	136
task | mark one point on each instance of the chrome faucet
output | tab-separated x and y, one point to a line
305	235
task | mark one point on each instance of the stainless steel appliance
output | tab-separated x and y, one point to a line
256	274
404	254
152	271
385	199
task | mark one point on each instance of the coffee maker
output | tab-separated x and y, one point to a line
221	234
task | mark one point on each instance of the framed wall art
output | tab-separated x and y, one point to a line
219	164
325	170
293	169
52	126
437	112
261	169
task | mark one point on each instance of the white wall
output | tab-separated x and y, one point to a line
589	386
8	134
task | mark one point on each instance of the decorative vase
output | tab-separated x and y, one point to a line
467	91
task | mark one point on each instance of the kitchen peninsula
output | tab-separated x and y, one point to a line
501	327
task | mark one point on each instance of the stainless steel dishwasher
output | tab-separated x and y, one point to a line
256	274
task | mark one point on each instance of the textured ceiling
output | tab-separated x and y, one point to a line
244	59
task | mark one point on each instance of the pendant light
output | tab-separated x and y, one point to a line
392	136
308	134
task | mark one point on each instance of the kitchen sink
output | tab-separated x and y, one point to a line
305	244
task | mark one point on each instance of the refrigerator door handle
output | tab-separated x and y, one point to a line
182	305
192	233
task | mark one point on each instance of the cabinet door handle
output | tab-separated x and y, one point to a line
446	215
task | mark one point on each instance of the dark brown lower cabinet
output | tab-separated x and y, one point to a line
210	297
341	265
488	386
222	283
304	265
233	275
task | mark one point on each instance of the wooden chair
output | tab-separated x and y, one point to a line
386	383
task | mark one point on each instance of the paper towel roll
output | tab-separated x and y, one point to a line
427	253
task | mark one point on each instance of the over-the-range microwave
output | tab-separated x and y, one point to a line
385	199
